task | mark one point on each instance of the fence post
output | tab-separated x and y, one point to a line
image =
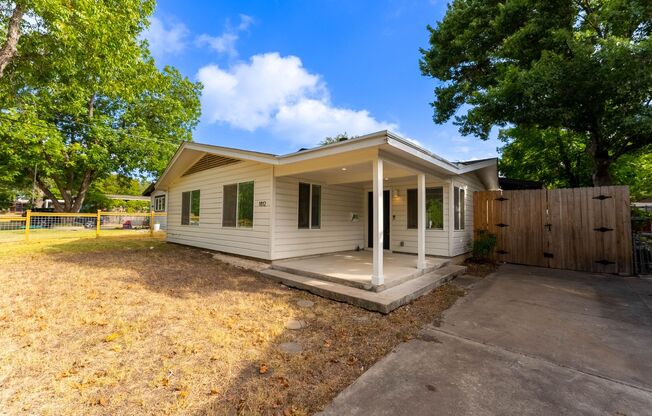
151	223
28	222
98	223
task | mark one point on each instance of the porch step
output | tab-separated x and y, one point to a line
383	302
436	264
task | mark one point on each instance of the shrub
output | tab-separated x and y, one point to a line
484	244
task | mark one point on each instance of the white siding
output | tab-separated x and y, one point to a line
436	240
337	233
462	240
253	242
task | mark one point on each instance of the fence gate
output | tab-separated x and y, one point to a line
586	229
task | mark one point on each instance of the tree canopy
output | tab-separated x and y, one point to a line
336	139
82	98
580	66
559	159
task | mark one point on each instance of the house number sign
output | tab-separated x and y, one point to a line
262	203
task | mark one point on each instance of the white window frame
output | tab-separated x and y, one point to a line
237	205
459	194
190	221
321	194
157	203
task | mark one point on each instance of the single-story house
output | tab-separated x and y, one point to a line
157	198
378	193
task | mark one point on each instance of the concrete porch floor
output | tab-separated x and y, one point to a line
354	268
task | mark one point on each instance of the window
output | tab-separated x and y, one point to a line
190	208
459	201
159	203
238	205
309	215
434	208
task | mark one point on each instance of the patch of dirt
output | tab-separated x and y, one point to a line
150	328
480	268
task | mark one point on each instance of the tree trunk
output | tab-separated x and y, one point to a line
81	194
601	159
601	174
10	47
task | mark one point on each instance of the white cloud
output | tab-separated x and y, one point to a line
278	93
166	40
225	43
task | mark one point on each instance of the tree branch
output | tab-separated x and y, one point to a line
43	187
83	188
10	47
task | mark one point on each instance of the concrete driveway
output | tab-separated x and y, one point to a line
524	341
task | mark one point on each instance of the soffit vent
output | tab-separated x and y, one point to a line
210	161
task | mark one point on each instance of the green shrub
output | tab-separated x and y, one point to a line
484	244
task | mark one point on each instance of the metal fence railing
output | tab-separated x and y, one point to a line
34	225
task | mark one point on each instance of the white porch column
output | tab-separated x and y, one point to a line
421	224
377	277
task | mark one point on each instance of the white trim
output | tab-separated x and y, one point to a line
237	226
421	227
310	185
377	277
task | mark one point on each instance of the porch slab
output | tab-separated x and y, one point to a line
383	302
354	268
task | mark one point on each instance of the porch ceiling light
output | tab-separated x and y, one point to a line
386	179
343	168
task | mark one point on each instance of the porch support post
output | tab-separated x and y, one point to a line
377	278
421	224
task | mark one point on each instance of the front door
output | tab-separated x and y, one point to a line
370	215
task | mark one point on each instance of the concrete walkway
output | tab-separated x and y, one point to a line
524	341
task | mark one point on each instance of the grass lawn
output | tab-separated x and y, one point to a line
135	326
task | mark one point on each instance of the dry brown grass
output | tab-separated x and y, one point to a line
141	327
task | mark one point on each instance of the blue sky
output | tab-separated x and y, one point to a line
280	75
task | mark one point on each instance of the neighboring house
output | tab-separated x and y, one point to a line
323	200
157	198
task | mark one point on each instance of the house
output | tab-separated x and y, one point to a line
157	198
377	195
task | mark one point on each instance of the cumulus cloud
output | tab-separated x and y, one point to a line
277	92
166	39
225	43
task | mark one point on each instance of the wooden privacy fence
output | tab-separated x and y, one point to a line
586	229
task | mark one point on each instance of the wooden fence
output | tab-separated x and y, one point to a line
585	229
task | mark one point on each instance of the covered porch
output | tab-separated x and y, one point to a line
374	200
355	268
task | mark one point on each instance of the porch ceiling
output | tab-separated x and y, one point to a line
353	173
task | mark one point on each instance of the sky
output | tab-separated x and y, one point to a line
279	75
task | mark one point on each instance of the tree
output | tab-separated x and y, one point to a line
582	66
336	139
555	157
559	159
83	100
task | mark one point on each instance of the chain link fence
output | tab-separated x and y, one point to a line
47	225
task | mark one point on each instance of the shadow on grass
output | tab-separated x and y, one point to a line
339	342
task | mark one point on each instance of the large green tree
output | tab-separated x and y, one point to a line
584	66
82	98
559	159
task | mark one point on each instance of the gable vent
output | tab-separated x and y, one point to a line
209	162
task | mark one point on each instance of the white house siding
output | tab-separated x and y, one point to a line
462	240
338	231
253	242
436	240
